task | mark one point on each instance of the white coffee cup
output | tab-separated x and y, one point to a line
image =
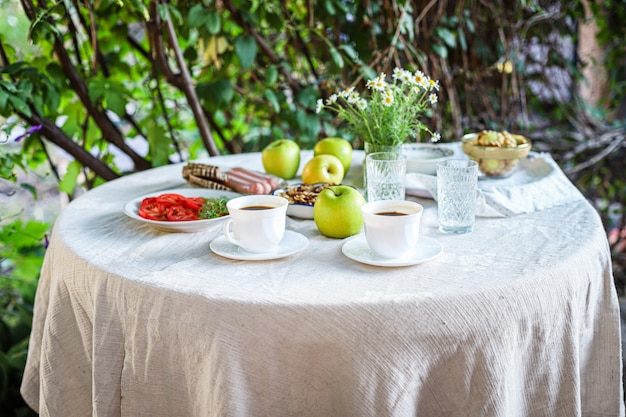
257	222
392	227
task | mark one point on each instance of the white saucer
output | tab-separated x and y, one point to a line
357	249
292	242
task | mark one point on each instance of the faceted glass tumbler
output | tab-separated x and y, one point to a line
385	176
457	183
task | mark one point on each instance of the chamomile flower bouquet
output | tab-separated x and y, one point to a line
391	114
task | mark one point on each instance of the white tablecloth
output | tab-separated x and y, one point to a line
518	318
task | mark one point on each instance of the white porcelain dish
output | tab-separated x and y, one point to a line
291	243
423	157
358	250
301	211
131	208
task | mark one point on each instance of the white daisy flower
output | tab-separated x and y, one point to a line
406	77
436	137
388	99
353	98
319	106
332	99
432	98
419	78
379	83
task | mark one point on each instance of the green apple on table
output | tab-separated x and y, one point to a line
323	168
337	211
281	158
338	147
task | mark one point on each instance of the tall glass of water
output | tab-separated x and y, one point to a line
457	182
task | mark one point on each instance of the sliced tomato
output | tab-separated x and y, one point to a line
152	209
195	203
170	198
181	214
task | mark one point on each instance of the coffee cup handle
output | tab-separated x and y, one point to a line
228	234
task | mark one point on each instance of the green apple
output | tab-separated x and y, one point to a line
323	168
338	147
337	211
281	158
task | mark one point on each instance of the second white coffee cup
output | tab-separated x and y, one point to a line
257	222
392	227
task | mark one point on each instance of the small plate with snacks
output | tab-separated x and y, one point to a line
180	210
301	198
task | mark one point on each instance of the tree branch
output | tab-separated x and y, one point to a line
110	133
55	135
190	91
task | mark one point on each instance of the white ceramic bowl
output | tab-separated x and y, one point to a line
423	157
299	210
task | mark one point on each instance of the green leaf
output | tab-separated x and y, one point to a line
440	50
20	105
13	68
307	97
159	144
68	182
271	97
350	52
213	23
115	102
271	75
9	87
368	72
447	36
196	16
96	88
336	57
468	22
462	40
246	49
4	100
329	5
217	94
52	99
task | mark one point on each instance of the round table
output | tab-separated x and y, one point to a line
518	318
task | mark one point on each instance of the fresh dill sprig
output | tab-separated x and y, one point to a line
213	208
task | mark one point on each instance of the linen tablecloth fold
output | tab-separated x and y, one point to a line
537	184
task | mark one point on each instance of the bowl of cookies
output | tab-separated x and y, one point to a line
497	152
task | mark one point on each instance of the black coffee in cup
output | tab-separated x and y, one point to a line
390	213
257	208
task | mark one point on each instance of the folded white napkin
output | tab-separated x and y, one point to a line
537	183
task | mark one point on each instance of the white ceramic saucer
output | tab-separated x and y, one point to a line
357	249
292	242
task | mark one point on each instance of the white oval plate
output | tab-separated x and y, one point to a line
291	243
423	157
301	211
131	208
358	250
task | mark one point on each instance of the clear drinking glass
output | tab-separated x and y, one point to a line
385	173
457	183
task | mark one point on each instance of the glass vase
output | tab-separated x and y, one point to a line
371	148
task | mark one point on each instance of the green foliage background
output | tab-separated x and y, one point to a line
125	85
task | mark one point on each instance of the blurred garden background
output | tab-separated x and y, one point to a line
94	90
